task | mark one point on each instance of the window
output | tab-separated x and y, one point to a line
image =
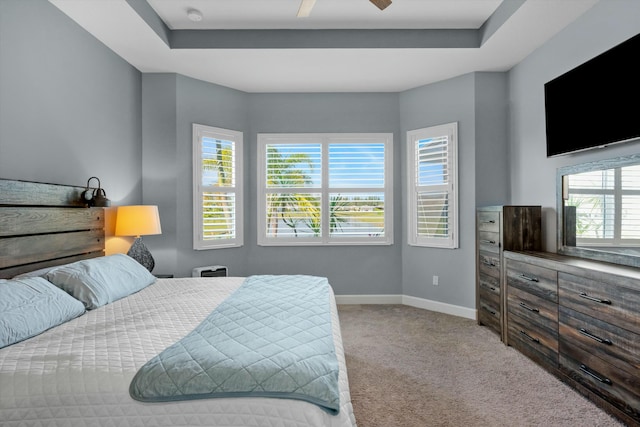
432	194
217	187
325	189
605	206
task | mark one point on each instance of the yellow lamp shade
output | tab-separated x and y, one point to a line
137	220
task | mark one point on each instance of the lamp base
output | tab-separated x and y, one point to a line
140	253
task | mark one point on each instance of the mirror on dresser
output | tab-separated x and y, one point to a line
598	206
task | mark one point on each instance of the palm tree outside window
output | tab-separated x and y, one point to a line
217	160
325	189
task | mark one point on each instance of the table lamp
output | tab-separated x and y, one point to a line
138	220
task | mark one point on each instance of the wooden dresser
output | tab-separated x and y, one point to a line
580	320
532	309
500	228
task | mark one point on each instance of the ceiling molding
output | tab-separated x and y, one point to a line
325	38
152	19
498	18
266	49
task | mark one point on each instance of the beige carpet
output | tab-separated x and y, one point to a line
410	367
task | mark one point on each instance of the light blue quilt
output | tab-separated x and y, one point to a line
271	338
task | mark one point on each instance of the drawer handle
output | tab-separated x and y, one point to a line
597	377
588	334
489	222
493	313
491	242
489	263
590	298
535	340
530	279
535	310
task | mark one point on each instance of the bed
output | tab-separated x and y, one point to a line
80	371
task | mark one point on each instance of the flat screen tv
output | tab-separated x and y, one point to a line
595	104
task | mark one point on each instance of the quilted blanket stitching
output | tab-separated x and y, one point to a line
181	389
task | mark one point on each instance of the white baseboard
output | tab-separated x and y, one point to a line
426	304
440	307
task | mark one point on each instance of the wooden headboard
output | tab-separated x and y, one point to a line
44	225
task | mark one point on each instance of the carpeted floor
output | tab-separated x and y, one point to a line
410	367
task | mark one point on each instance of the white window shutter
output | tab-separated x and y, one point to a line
217	192
432	160
325	189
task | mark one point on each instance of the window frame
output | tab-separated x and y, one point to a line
449	130
199	132
325	139
616	192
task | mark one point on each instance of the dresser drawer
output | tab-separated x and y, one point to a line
488	221
489	241
489	315
490	297
535	310
616	346
489	264
489	284
605	301
534	279
610	383
533	340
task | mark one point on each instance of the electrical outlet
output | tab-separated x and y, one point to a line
435	280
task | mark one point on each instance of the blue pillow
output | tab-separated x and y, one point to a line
42	272
100	281
30	306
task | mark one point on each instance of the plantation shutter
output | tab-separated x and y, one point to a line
606	203
356	165
593	195
433	221
217	193
293	179
218	183
630	218
325	189
356	190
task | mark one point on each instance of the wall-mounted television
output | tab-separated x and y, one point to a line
595	104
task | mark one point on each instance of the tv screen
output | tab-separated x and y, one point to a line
596	103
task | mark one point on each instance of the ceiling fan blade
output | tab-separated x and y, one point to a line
305	8
381	4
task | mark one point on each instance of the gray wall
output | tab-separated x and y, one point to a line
159	164
477	102
69	107
533	175
351	270
492	139
171	103
149	155
212	105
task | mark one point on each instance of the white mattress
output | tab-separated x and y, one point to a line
78	373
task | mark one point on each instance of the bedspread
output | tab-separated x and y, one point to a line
271	338
78	374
